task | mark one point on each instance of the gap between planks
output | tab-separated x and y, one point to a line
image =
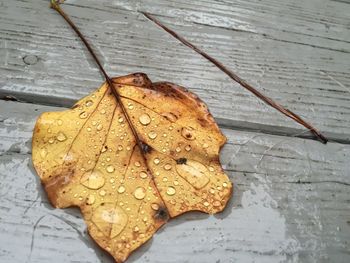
222	122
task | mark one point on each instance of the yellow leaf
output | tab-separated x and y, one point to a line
89	157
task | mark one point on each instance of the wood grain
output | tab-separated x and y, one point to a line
291	201
291	204
296	52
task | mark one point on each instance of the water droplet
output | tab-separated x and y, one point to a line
176	183
165	179
102	193
171	190
188	148
103	111
99	127
140	193
93	180
194	172
156	161
131	107
155	206
152	135
136	229
121	189
121	119
83	115
217	203
187	133
90	199
110	168
59	122
120	147
212	191
206	204
211	168
89	103
112	180
43	153
108	159
137	164
145	119
61	137
224	184
178	149
167	167
88	129
205	145
170	116
110	219
143	175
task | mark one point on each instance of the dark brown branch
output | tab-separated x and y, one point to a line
236	78
55	5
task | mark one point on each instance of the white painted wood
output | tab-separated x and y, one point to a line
291	204
296	52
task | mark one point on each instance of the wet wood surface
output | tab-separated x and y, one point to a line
292	194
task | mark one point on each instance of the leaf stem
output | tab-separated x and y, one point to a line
56	6
236	78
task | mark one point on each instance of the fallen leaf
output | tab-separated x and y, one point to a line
88	157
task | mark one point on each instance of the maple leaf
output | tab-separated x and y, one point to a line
89	157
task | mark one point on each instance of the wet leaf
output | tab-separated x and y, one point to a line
89	157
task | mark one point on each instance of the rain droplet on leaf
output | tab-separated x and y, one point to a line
61	137
143	175
140	193
83	115
90	199
110	168
187	133
145	119
155	206
93	180
194	172
152	135
89	103
171	190
167	167
110	219
121	189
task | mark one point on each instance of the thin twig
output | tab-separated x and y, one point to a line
236	78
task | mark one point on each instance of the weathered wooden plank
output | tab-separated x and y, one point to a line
291	203
294	53
315	23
